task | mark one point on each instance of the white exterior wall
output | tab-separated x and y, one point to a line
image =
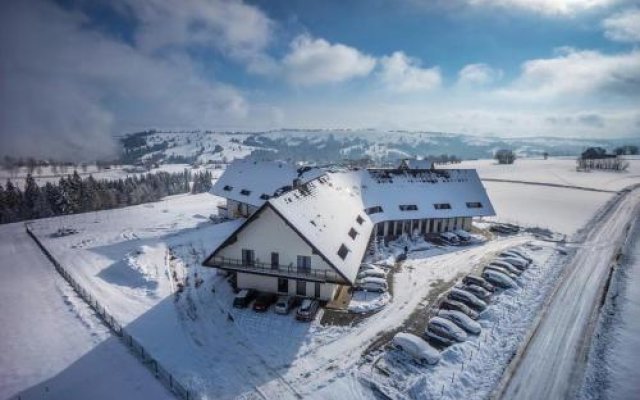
270	284
269	233
237	209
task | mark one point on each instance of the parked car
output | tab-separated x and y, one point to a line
467	298
502	270
507	229
501	262
307	310
498	278
462	320
416	348
264	301
244	298
478	291
367	266
372	273
463	235
519	263
371	284
439	340
447	329
450	237
517	254
284	304
477	280
449	304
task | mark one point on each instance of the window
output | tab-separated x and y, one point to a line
264	196
227	188
301	288
248	257
353	233
442	206
343	251
275	260
474	204
380	229
304	263
245	192
373	210
317	290
283	285
359	220
408	207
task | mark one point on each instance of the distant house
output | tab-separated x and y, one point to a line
597	158
311	238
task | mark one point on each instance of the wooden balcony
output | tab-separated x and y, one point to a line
281	271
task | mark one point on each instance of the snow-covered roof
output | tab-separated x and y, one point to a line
253	181
330	215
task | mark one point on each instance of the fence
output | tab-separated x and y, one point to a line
161	373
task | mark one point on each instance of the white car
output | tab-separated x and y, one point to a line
502	270
520	254
416	348
371	284
498	279
476	290
462	320
372	273
467	298
447	329
450	236
519	263
501	262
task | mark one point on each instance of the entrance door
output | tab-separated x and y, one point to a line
317	294
301	288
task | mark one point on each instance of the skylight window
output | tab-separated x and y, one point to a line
408	207
227	188
373	210
442	206
474	204
359	220
245	192
353	233
343	251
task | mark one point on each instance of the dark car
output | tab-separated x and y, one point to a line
243	298
264	301
449	304
477	280
308	310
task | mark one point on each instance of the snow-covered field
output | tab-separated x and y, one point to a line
136	259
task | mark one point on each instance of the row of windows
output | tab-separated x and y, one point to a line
249	258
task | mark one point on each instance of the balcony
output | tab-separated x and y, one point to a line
282	271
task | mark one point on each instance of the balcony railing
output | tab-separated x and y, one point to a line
288	271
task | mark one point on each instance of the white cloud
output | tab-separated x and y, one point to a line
315	61
66	90
579	72
404	74
547	7
623	26
478	74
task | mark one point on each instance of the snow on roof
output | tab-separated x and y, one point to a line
253	181
329	213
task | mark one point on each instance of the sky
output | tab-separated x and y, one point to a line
74	74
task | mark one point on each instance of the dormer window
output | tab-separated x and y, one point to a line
245	192
227	188
353	233
343	251
408	207
474	204
442	206
373	210
359	220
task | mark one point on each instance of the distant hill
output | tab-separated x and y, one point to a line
336	145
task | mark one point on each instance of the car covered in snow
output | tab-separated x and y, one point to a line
517	262
449	304
503	263
467	298
477	280
498	278
371	284
462	320
307	310
264	301
284	304
416	348
476	290
372	273
450	237
447	329
502	270
507	229
518	253
463	235
244	298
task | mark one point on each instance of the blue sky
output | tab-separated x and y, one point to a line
77	71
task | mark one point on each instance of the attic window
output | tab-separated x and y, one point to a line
442	206
373	210
227	188
264	196
245	192
474	204
359	220
408	207
353	233
343	251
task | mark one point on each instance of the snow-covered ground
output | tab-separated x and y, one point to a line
136	259
51	345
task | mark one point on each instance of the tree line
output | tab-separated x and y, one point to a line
73	194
